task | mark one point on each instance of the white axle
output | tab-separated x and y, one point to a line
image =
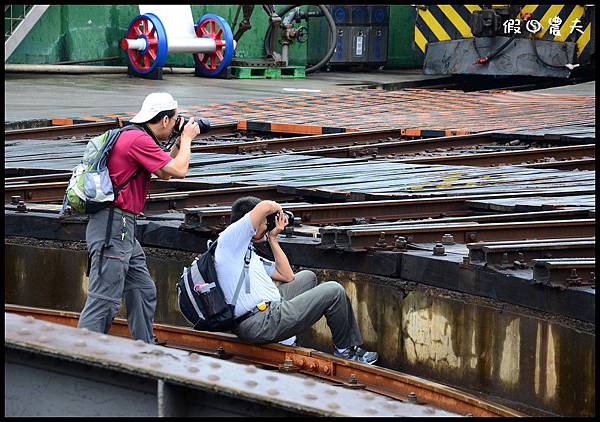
139	44
181	45
192	45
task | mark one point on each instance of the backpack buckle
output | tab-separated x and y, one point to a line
262	306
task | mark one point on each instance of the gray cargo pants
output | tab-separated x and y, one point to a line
303	304
124	274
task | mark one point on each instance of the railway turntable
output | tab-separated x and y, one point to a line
465	243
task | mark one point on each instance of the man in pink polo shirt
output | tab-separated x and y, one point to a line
118	264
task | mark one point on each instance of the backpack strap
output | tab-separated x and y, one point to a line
106	244
243	276
111	213
187	281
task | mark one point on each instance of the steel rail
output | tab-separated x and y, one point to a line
509	157
348	140
160	201
565	272
310	362
344	238
481	159
95	128
507	254
577	164
346	212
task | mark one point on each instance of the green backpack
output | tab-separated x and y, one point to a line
90	188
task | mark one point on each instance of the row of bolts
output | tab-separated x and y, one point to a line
400	244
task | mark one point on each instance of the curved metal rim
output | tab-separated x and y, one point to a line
380	380
226	29
161	35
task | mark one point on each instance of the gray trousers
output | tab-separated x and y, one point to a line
303	304
124	274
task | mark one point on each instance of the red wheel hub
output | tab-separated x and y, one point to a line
144	59
208	29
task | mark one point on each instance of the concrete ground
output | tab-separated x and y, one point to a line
47	96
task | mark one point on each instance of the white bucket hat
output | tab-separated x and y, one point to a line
154	104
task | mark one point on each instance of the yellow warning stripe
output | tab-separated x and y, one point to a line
457	20
553	11
434	25
565	30
420	39
527	9
584	39
472	7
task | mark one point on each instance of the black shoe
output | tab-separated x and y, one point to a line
358	354
158	342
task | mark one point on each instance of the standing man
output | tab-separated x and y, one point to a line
266	312
119	269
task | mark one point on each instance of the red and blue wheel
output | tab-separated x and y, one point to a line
149	28
215	27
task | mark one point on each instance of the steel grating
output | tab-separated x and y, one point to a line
420	109
191	372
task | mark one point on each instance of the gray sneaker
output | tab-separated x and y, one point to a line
358	354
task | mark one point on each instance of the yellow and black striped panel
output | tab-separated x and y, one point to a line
434	23
568	13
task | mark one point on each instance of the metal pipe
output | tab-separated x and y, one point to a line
49	68
192	45
137	44
179	45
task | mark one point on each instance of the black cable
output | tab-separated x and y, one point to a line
332	33
534	46
498	51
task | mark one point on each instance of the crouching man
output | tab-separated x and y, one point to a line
265	312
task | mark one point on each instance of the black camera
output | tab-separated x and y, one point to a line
271	220
180	123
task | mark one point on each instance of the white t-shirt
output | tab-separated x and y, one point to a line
232	246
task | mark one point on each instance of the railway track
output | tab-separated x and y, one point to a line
309	362
394	144
82	130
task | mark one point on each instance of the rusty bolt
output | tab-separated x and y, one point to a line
520	262
353	379
381	243
400	243
439	249
288	366
447	239
21	207
15	199
573	278
472	237
221	353
412	397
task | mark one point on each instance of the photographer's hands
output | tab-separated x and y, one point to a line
190	130
283	271
281	221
